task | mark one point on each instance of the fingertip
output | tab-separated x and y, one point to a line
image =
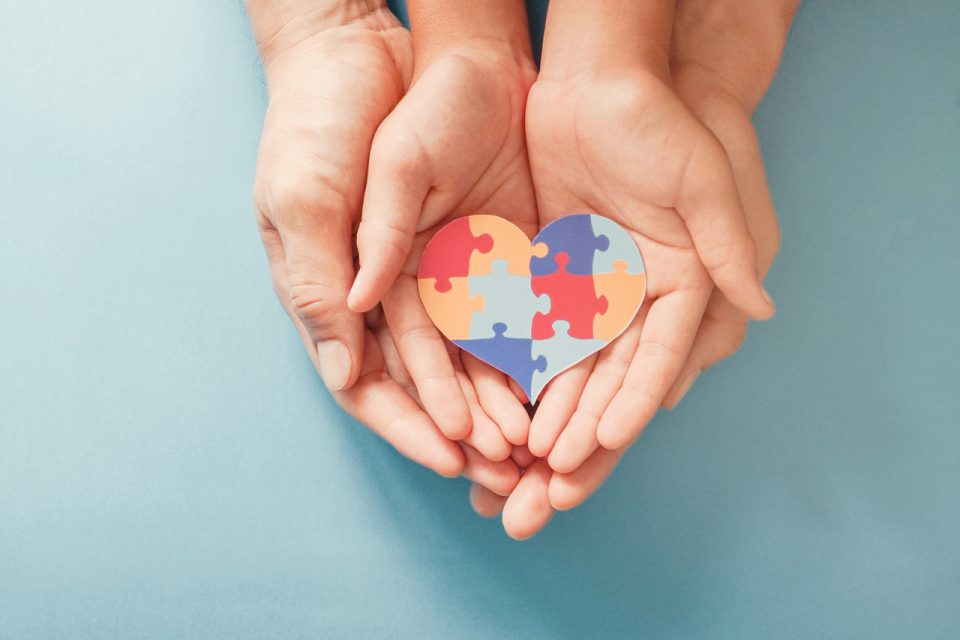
361	297
562	463
485	503
563	495
456	424
528	509
612	436
449	462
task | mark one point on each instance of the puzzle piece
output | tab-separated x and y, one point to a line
572	298
574	236
509	243
512	356
561	352
454	260
507	299
624	293
620	247
450	310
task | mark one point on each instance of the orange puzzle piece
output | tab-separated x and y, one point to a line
624	293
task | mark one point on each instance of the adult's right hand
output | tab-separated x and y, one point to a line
334	71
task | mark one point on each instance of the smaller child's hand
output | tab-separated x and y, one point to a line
453	146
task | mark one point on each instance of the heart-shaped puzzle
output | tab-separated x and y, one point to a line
532	309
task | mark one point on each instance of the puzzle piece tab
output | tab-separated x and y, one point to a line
621	246
453	261
624	293
507	299
574	236
512	356
561	352
509	244
572	298
450	310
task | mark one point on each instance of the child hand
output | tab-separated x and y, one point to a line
722	84
453	146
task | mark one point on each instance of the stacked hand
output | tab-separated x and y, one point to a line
370	130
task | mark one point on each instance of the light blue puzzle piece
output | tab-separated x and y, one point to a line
620	247
507	299
561	352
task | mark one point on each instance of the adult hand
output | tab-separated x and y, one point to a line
334	71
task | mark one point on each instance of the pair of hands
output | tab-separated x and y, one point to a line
360	133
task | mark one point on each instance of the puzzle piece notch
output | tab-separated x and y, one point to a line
573	235
508	299
452	310
448	253
573	298
624	293
512	356
509	243
562	352
620	246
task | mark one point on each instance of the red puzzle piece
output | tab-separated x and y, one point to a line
572	298
454	261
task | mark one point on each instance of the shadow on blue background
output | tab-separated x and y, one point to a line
170	465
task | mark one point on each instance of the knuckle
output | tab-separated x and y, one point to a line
315	303
291	202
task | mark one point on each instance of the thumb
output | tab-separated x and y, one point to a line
319	264
397	184
709	203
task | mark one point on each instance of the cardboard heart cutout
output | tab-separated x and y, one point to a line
532	309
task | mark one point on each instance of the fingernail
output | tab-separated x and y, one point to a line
685	387
334	363
766	296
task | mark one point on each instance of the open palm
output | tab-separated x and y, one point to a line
454	146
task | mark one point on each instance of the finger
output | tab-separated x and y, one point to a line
485	437
522	456
425	355
557	405
665	340
568	490
579	438
398	181
710	205
732	126
720	335
314	246
497	399
724	327
485	502
499	477
528	509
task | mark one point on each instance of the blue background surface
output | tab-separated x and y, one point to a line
170	465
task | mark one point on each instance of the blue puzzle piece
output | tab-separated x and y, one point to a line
620	247
510	355
507	299
561	352
574	236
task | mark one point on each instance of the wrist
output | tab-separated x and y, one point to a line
590	37
496	28
730	47
281	24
